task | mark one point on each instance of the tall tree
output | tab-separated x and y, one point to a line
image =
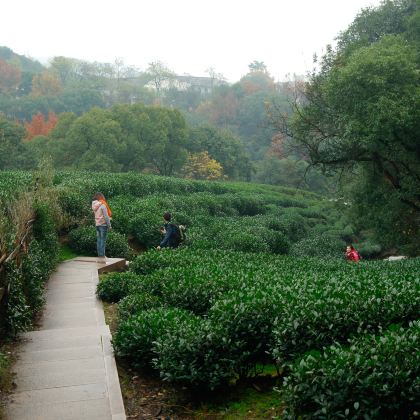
159	73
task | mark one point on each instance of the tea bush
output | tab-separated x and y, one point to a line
322	246
83	241
116	286
16	315
246	318
194	353
34	274
136	336
137	302
228	216
263	304
373	377
76	207
330	308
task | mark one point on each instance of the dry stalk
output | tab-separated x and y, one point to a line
20	211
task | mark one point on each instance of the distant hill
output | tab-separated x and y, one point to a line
24	63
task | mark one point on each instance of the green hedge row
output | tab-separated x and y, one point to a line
140	185
258	305
82	240
375	377
26	282
218	215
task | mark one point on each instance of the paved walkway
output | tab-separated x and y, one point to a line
66	370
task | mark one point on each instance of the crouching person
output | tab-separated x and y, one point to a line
172	234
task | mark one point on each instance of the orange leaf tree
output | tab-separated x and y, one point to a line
39	126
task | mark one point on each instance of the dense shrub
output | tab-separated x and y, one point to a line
216	221
137	302
35	273
145	228
278	243
83	241
293	225
246	318
74	205
135	336
45	232
322	246
16	313
116	286
369	250
194	354
245	242
374	377
152	260
261	302
26	282
334	306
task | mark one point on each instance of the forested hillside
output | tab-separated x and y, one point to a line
349	129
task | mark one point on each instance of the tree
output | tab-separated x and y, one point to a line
165	144
222	146
222	109
64	68
256	81
39	126
368	112
11	147
371	24
214	76
360	114
257	66
10	76
125	137
159	73
201	166
45	84
64	122
93	142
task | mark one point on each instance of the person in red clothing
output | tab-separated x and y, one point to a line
352	254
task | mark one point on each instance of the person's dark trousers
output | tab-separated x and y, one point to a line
101	233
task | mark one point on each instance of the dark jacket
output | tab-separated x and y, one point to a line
171	238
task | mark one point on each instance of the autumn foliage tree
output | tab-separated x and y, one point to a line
202	166
39	126
45	84
10	76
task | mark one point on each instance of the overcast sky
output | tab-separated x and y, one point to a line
187	35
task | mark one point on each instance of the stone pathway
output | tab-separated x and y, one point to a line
66	370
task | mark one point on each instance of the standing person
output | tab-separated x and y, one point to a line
172	237
351	254
103	216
